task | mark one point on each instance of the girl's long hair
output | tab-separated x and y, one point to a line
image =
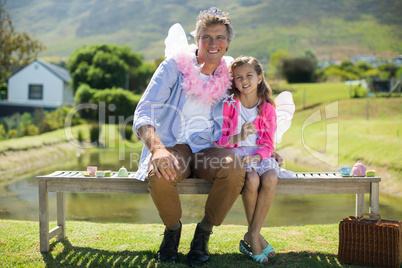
264	91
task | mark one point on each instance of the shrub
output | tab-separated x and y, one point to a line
26	121
335	71
398	74
94	133
319	75
80	137
141	76
373	73
75	120
12	133
118	102
298	70
52	121
31	130
126	132
85	95
56	119
3	91
388	70
359	92
3	133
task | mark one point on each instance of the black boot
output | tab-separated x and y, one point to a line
168	250
199	254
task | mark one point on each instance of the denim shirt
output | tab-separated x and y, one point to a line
161	106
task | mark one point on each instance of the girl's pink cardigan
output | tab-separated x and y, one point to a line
265	124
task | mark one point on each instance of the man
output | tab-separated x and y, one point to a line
174	119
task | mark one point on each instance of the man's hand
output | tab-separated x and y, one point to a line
278	158
165	164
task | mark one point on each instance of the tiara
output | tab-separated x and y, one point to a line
212	11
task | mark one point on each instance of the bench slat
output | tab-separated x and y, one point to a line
304	183
74	181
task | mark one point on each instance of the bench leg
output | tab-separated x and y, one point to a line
61	219
359	205
375	198
43	217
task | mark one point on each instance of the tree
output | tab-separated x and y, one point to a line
140	77
276	63
17	49
103	66
298	70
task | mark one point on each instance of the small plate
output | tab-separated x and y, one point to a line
85	174
348	175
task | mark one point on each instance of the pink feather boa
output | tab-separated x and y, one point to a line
210	91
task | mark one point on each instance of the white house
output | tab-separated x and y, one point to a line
40	84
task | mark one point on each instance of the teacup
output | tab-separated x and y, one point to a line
100	174
345	171
91	170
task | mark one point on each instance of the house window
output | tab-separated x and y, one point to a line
35	92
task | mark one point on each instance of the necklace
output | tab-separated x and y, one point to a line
208	92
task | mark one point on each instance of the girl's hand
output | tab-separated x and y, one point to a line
248	128
252	158
278	158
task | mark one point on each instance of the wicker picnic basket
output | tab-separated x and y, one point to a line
371	242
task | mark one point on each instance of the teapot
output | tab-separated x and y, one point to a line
359	170
122	172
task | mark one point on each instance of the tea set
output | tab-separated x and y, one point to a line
92	171
358	170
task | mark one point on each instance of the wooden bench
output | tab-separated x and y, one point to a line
74	182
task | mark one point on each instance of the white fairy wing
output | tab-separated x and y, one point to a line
176	40
285	109
228	60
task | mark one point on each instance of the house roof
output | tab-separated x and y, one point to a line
60	72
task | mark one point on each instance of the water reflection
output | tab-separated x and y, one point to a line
19	200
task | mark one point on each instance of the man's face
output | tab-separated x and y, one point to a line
212	43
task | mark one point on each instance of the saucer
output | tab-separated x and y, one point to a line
85	174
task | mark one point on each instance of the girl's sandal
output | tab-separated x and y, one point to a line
246	250
260	258
268	249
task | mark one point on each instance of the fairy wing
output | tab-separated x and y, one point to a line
285	109
176	40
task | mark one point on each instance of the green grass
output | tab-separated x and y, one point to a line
131	245
371	135
318	93
109	136
376	141
32	142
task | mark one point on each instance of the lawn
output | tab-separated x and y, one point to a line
131	245
328	125
346	130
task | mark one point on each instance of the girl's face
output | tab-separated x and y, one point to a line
246	79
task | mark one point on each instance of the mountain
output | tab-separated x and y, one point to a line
333	29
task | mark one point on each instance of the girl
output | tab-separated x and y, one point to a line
253	99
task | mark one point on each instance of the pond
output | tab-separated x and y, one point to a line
19	200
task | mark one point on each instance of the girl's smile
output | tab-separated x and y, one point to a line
247	81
